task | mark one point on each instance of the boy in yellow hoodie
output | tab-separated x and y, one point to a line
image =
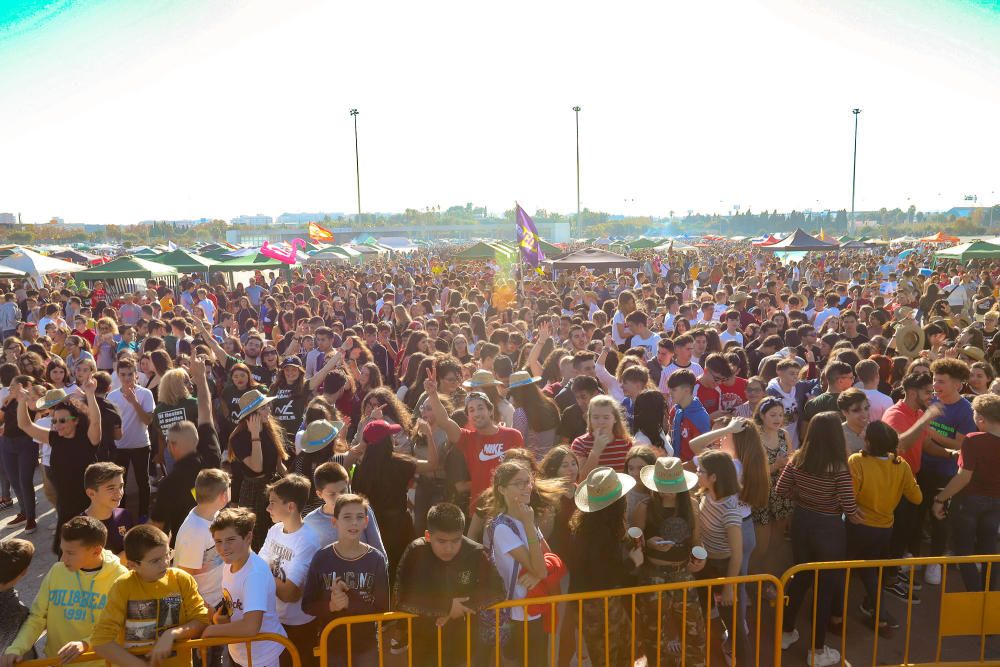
72	594
154	605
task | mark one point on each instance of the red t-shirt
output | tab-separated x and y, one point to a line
902	418
981	456
483	453
734	394
710	398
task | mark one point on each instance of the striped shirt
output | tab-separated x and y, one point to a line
613	455
716	516
831	494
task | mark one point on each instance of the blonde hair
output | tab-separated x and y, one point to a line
604	401
173	387
108	322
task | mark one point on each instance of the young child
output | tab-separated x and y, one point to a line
444	576
248	591
15	557
331	480
153	605
105	486
72	594
348	578
195	551
288	549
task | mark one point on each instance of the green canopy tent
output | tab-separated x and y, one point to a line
550	249
127	274
187	262
484	250
217	255
643	242
968	251
255	262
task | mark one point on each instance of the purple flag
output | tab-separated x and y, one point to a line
528	240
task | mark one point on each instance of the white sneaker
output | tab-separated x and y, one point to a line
789	638
824	657
932	574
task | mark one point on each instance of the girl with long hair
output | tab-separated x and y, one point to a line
637	458
410	377
383	476
517	548
607	441
536	415
603	557
668	518
291	393
57	374
818	480
30	363
257	454
647	419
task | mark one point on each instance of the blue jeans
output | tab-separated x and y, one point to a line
20	456
974	523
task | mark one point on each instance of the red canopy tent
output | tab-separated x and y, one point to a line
770	240
940	237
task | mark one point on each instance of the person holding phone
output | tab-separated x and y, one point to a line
668	519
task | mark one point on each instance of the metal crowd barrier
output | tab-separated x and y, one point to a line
186	645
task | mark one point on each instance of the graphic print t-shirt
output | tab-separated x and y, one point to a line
957	418
289	555
288	409
168	415
483	453
252	589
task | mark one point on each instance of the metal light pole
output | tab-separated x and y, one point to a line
854	168
576	111
357	162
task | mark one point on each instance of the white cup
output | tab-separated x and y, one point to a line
698	554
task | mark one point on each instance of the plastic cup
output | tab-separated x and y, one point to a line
635	532
698	554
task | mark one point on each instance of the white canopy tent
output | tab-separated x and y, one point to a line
36	265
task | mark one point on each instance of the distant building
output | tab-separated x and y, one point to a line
258	219
303	218
8	219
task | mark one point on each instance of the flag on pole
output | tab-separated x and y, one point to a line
171	245
528	240
318	234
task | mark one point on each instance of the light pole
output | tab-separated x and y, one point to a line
576	111
357	162
854	168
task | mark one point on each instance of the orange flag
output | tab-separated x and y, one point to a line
317	233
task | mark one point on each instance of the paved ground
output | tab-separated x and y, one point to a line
859	639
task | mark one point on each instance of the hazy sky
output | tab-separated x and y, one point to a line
122	110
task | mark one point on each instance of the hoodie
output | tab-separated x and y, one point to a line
67	607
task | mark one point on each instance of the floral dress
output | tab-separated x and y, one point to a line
777	507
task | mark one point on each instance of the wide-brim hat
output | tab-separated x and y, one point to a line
251	401
52	398
482	378
903	313
668	475
319	434
521	379
908	339
740	296
602	488
973	352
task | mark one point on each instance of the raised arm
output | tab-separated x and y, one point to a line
93	412
316	381
220	354
24	419
453	430
544	333
198	372
433	461
703	441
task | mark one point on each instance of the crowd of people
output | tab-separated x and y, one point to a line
429	436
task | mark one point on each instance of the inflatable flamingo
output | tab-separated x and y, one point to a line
283	252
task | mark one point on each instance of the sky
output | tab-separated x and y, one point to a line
116	111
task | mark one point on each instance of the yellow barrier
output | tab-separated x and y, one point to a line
961	613
187	645
628	594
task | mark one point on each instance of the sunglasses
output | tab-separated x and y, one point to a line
63	420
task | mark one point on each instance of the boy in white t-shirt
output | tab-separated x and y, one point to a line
248	605
732	330
638	323
194	550
288	549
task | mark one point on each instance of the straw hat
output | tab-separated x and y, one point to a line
903	313
482	378
973	352
602	488
520	379
319	434
668	475
52	398
740	296
908	339
251	401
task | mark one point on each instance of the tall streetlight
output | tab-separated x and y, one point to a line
576	111
357	162
854	169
